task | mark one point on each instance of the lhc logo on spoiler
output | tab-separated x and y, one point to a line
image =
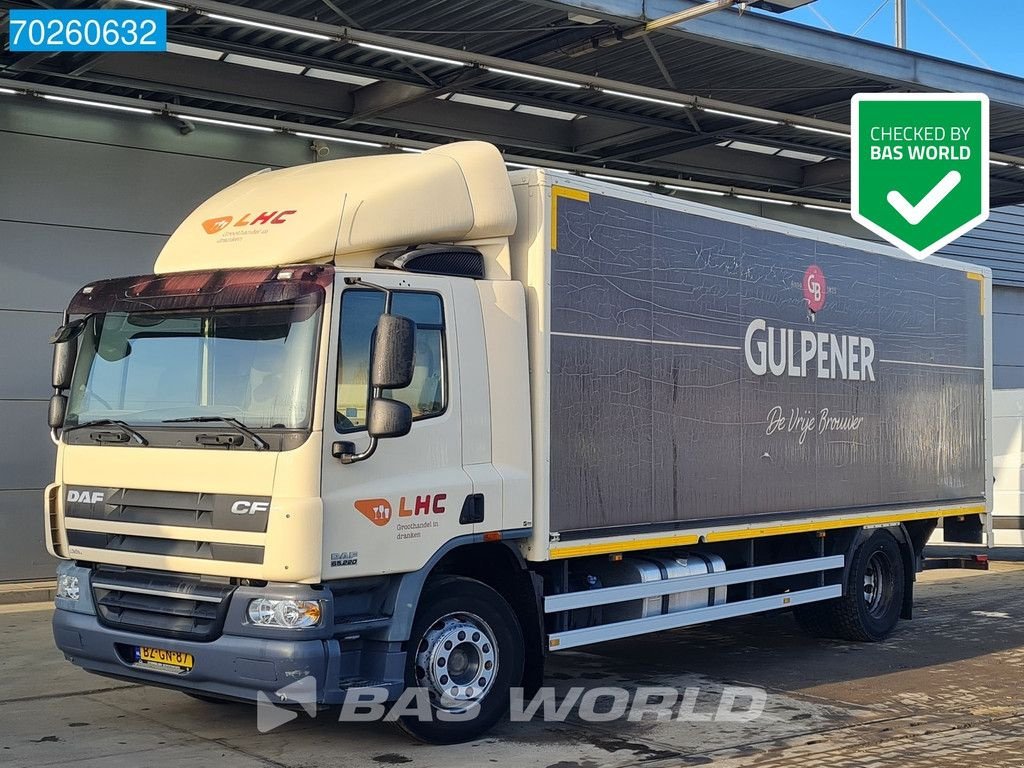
213	226
378	511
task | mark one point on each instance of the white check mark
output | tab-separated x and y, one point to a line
915	214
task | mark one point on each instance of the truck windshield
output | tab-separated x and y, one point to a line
253	364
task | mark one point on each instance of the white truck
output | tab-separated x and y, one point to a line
414	422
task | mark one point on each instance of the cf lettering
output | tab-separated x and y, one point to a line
242	507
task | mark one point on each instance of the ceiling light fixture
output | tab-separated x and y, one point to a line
699	190
271	27
357	142
536	78
828	208
758	199
824	131
638	97
225	123
150	4
739	116
410	54
620	179
100	104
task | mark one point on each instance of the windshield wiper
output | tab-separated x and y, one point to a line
127	429
259	442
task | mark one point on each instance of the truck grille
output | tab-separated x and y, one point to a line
157	604
199	511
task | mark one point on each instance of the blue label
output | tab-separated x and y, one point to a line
106	31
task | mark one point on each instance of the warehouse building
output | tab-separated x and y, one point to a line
102	155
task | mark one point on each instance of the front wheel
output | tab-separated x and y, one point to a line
465	654
873	600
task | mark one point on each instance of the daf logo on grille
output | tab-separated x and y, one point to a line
242	507
85	497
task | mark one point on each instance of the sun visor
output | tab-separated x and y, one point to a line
318	211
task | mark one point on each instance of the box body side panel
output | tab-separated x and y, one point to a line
874	393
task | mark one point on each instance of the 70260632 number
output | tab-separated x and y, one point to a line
88	30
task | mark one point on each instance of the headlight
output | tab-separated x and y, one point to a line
291	614
67	587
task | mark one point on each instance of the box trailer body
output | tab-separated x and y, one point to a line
681	378
367	405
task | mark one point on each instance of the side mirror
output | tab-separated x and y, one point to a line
64	354
394	353
388	418
57	411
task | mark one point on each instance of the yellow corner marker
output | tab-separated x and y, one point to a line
572	194
981	289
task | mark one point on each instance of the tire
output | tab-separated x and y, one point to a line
870	608
465	637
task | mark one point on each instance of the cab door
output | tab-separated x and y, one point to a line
390	512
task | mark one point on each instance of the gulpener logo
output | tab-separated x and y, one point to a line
215	225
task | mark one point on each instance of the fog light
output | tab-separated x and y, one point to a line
291	614
67	587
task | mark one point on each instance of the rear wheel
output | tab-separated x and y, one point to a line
870	608
465	654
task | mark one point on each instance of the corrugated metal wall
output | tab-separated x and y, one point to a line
997	244
84	195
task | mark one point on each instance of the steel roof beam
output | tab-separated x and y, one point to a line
483	61
810	46
159	109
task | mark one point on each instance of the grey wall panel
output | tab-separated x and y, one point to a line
26	453
43	265
21	522
1007	300
33	117
1008	336
1007	377
106	187
651	310
997	244
26	353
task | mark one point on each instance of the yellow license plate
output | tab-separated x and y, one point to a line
177	659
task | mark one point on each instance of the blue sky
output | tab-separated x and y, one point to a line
993	29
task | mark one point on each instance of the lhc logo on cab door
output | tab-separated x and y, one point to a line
815	288
220	223
378	511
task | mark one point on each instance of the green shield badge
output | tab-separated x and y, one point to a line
920	167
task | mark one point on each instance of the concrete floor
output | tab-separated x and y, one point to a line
945	690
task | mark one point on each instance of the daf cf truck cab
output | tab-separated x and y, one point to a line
351	430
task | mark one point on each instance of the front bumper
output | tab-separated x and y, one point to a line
231	666
241	662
